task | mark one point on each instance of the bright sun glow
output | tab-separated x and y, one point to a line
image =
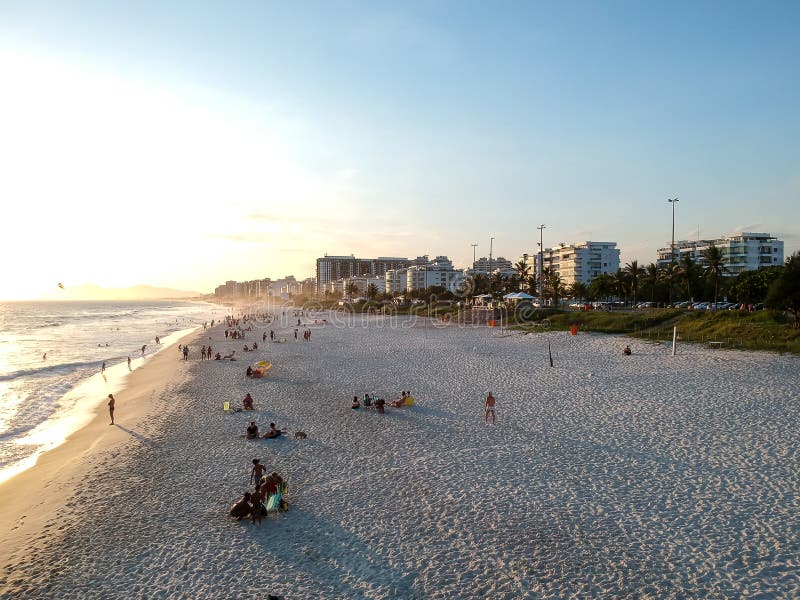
110	181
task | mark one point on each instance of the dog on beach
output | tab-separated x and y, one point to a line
300	435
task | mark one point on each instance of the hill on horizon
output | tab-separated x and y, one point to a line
91	291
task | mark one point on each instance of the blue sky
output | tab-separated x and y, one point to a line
401	129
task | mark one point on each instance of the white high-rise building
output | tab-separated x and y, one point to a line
746	251
581	262
438	272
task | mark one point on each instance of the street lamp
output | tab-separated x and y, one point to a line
541	260
473	254
490	255
672	201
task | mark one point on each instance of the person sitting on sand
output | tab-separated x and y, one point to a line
246	349
247	403
627	351
249	372
252	431
227	356
217	356
356	404
273	432
241	509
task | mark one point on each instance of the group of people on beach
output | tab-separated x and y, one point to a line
252	504
252	433
373	400
205	352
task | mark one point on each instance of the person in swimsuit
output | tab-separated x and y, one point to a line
273	432
111	403
252	431
488	408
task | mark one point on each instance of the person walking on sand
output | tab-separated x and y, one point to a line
143	347
103	367
186	353
129	363
111	403
488	408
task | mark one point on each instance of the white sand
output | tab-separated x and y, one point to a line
653	477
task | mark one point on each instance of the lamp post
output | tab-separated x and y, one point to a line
473	254
490	255
672	201
541	260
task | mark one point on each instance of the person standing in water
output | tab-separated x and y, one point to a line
488	408
129	363
103	367
111	403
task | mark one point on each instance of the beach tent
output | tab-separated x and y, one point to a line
518	296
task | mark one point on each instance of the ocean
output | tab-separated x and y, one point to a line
51	354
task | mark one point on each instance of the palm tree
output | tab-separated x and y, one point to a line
633	273
523	270
669	275
688	270
714	259
620	280
651	277
578	290
352	290
372	291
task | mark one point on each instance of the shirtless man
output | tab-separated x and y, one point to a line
488	408
111	403
257	473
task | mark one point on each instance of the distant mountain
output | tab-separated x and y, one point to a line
90	291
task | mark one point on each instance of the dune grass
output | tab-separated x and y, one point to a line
761	330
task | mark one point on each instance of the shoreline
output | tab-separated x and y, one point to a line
31	498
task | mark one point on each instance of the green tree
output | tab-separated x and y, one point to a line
578	290
523	271
784	293
634	273
670	275
751	287
352	290
715	266
689	272
651	279
600	288
620	282
372	291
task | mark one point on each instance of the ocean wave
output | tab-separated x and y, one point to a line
49	370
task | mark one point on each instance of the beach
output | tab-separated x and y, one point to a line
605	475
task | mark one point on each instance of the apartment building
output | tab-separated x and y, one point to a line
745	251
582	261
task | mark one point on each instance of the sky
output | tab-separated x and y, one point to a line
181	144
